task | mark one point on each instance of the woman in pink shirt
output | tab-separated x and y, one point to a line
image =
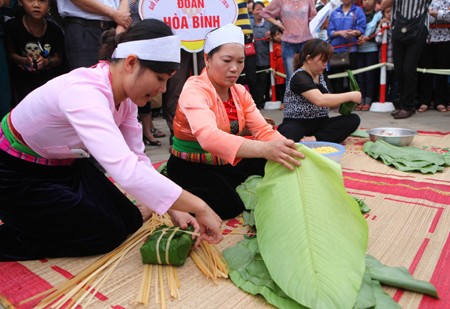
53	201
210	155
292	17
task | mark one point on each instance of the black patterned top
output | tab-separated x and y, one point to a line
443	17
297	106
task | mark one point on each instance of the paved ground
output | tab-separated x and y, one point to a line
431	120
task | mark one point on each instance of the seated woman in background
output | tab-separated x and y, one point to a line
210	156
307	100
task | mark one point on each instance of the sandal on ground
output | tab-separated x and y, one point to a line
359	107
157	133
149	142
365	107
441	108
423	108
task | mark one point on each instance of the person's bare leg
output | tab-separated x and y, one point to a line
147	125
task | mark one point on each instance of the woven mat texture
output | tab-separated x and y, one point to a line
408	226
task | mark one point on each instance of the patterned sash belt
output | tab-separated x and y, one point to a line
6	147
205	158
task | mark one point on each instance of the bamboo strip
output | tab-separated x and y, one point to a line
157	287
144	291
161	286
170	281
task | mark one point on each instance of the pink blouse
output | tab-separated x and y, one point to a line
77	111
295	16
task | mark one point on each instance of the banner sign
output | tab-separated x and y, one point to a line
190	19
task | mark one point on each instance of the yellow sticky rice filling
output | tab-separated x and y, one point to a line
325	149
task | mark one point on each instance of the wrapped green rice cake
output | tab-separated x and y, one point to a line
167	246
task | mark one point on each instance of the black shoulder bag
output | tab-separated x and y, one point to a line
406	30
342	59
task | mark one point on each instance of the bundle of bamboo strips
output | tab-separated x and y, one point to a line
210	261
72	292
160	297
82	287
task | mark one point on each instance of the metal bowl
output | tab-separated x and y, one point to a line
393	136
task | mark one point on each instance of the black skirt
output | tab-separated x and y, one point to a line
215	184
60	211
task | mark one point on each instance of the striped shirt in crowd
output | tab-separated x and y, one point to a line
411	8
243	19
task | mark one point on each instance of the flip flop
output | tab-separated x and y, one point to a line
157	133
423	108
441	108
149	142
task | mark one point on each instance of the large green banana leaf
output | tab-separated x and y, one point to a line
311	233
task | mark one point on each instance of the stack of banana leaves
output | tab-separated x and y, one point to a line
311	241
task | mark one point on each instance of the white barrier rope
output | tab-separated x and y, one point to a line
365	69
376	66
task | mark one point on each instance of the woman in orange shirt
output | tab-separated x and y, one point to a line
210	156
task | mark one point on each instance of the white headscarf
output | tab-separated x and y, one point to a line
223	35
164	49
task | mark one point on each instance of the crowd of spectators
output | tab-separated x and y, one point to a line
356	27
43	39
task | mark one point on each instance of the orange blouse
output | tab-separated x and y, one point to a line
202	117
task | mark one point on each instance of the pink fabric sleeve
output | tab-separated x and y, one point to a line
121	155
272	10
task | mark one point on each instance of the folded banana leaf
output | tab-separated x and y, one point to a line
248	272
407	158
167	246
398	277
366	296
311	233
247	193
360	133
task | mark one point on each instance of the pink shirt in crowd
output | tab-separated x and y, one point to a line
77	111
295	16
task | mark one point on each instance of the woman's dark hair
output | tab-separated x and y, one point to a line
274	29
258	3
313	48
143	30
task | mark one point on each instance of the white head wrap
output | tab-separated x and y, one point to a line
164	49
224	35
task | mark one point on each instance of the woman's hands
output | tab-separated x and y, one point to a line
363	39
347	34
183	220
210	226
34	64
206	221
282	151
